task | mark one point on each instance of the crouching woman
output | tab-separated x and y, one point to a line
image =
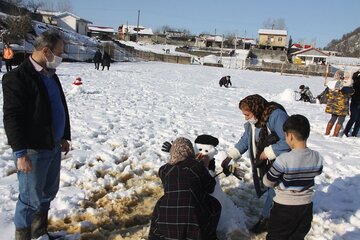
186	210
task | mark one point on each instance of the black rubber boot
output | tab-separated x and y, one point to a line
23	234
39	225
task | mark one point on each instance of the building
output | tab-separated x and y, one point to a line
72	22
102	33
49	17
208	40
133	33
244	43
176	35
310	56
272	39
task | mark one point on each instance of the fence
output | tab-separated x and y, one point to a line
150	56
288	68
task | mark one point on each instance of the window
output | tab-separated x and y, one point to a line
279	39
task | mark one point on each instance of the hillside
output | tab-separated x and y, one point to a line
349	44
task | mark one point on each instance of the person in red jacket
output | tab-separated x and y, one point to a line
8	56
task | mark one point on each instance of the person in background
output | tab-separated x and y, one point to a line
292	175
8	55
37	126
337	103
305	94
186	210
263	119
106	61
354	107
97	59
1	54
225	81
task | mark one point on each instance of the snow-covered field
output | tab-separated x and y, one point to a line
121	117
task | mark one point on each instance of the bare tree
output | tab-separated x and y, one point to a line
17	28
34	5
271	23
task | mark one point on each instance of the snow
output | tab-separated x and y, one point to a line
155	48
121	117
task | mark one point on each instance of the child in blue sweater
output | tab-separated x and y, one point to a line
292	175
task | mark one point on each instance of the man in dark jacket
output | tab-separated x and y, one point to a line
97	59
36	122
106	61
354	108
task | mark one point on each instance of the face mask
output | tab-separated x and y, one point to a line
252	120
54	63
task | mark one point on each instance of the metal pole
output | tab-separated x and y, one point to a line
222	45
137	29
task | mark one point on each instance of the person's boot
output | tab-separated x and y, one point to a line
337	129
261	226
23	234
39	225
328	128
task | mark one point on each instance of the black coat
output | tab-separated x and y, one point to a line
97	57
356	96
106	59
27	110
187	210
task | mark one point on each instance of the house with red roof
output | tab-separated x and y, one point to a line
309	56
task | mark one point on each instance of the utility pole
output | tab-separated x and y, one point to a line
137	28
222	45
244	40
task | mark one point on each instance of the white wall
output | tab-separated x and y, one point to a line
67	22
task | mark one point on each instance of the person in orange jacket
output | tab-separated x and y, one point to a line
8	56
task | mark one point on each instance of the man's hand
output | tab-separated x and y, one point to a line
263	156
65	146
204	158
23	164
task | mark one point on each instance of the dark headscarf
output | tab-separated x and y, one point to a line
181	150
261	109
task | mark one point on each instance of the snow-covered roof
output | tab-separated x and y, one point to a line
65	14
312	52
132	29
208	37
48	12
101	29
273	32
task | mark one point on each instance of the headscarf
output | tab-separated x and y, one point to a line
180	150
261	109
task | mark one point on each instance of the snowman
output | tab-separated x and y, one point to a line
77	86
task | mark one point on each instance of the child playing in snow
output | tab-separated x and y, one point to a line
292	174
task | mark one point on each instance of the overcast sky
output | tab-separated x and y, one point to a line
309	20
